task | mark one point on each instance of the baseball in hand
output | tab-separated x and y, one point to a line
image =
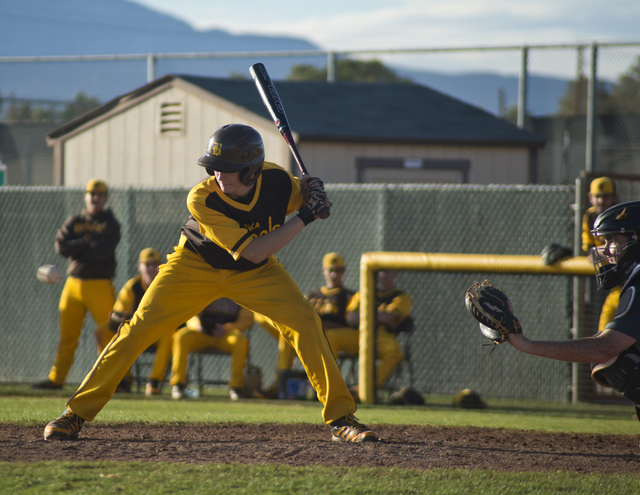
49	274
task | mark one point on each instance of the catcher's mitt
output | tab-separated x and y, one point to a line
492	308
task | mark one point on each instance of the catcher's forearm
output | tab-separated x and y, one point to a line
597	349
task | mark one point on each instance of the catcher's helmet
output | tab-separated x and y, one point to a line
235	148
614	262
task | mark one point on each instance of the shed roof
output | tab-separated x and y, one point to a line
352	112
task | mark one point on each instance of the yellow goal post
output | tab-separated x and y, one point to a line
438	262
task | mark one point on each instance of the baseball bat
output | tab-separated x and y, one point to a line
272	101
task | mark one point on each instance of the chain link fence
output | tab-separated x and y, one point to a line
448	352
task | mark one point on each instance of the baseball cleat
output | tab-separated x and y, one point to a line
65	427
348	429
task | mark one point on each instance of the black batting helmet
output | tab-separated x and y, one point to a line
614	262
235	148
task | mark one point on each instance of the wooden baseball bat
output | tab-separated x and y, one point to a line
274	104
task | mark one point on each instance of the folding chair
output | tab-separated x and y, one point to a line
142	367
197	367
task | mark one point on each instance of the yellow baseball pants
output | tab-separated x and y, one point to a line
185	285
161	357
98	297
388	351
286	354
232	342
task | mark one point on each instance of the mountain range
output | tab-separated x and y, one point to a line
105	27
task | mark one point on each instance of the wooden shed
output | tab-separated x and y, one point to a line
346	133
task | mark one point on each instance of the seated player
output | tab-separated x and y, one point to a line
393	307
219	326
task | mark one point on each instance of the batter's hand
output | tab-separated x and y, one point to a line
310	186
319	203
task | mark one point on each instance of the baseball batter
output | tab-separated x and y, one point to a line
89	240
238	222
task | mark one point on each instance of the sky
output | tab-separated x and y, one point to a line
407	24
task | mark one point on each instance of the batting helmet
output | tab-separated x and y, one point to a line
235	148
614	261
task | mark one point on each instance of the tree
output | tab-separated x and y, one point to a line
18	111
574	101
348	70
625	96
80	105
622	98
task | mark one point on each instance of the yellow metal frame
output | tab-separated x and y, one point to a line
438	262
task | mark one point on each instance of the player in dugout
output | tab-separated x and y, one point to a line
89	240
602	195
393	307
221	325
330	302
615	349
227	249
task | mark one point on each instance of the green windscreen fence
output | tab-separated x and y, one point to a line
447	347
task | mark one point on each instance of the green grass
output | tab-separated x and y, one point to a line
141	478
21	405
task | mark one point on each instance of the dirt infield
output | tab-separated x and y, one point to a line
409	447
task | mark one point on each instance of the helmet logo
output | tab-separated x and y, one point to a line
623	215
216	149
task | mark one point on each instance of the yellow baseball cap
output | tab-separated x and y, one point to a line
602	186
149	254
96	185
333	260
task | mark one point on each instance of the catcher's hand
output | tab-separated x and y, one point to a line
492	308
313	192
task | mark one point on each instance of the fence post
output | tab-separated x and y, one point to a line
331	67
151	67
522	88
577	286
591	109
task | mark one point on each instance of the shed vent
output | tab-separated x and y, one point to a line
171	118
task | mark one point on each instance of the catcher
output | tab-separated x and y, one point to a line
615	350
227	249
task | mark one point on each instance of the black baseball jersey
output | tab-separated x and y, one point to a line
331	304
627	318
219	228
90	242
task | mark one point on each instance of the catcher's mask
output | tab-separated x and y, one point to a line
235	148
618	228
